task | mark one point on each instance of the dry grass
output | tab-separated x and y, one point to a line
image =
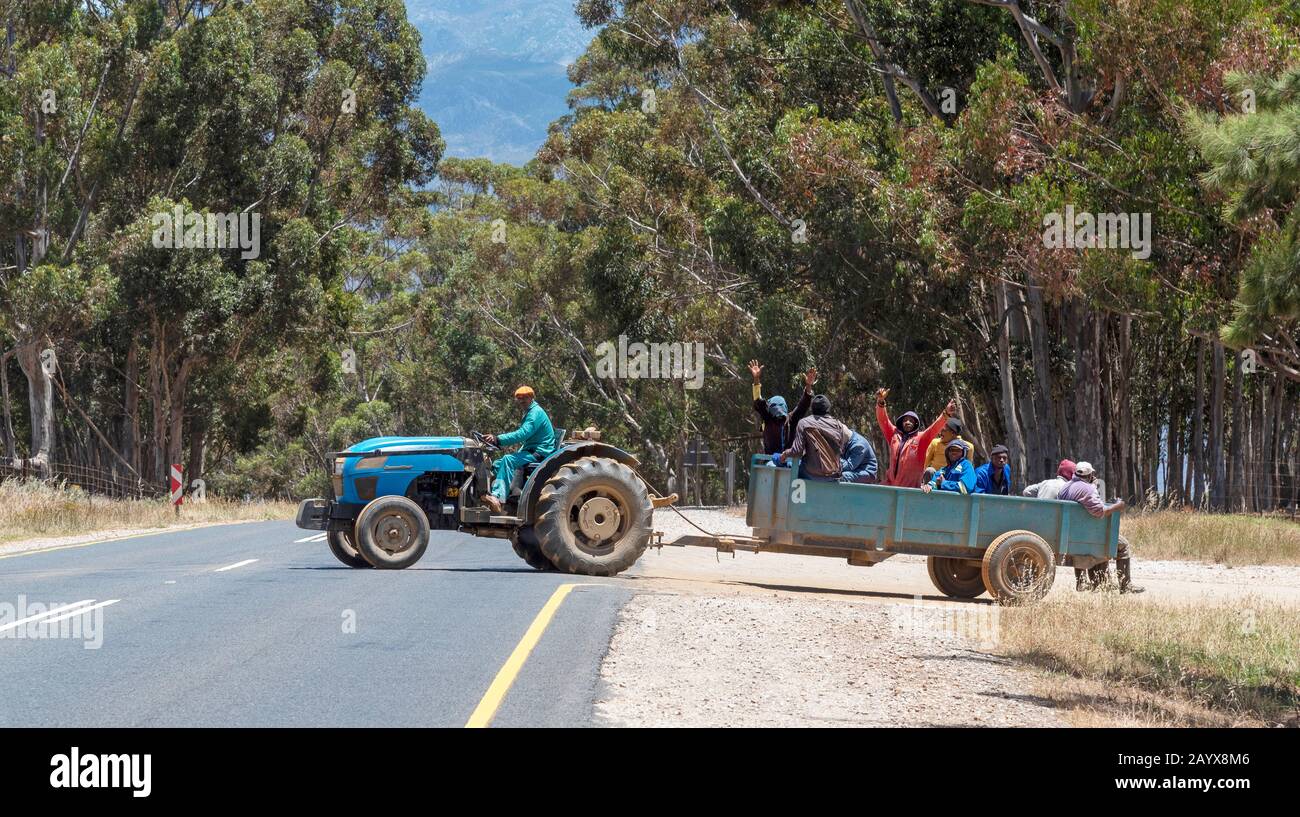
30	510
1229	539
1164	663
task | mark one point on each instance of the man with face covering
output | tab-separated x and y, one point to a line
778	423
818	441
907	443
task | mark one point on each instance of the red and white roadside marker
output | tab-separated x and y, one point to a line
178	492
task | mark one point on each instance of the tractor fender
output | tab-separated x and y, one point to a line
567	453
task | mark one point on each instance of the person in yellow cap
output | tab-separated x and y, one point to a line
535	438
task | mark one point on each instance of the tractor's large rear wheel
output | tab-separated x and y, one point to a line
956	578
345	549
593	517
392	532
524	542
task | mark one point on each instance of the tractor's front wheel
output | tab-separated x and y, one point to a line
524	542
392	532
344	549
593	517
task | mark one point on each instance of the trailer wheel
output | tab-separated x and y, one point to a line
392	532
524	542
956	578
344	549
593	517
1019	567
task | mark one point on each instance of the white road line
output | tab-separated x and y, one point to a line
81	611
11	625
235	565
320	537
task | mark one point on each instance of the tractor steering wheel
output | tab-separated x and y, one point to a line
479	438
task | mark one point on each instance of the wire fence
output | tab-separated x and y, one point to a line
96	481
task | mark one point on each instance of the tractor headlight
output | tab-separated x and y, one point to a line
338	465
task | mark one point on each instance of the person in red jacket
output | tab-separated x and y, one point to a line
907	444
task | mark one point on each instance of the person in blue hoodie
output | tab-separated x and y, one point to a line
994	476
858	460
958	475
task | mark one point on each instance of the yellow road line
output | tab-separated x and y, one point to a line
496	693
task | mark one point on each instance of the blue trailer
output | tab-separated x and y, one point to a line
1007	546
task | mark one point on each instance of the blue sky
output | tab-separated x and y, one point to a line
497	71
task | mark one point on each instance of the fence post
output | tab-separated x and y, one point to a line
731	477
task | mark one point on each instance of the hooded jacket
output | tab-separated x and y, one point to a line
934	457
858	461
906	452
778	431
1051	488
958	477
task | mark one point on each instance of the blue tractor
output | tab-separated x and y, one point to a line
584	509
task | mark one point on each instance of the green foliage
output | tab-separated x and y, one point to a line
1254	158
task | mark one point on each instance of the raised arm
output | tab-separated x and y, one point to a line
805	400
882	415
760	405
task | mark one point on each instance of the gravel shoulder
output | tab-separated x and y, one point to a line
701	661
779	640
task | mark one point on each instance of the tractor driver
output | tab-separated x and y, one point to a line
535	438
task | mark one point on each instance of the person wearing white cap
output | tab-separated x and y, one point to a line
1083	489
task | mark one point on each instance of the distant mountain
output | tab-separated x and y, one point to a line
496	75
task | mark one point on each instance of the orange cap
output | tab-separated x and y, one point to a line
524	391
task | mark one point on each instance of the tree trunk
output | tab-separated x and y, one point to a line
1174	468
130	446
11	444
1237	474
1010	422
1044	403
1217	465
197	464
40	401
1198	431
1127	485
1272	446
1087	429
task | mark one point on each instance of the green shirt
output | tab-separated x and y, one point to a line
534	435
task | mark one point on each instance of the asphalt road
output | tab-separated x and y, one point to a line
194	634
